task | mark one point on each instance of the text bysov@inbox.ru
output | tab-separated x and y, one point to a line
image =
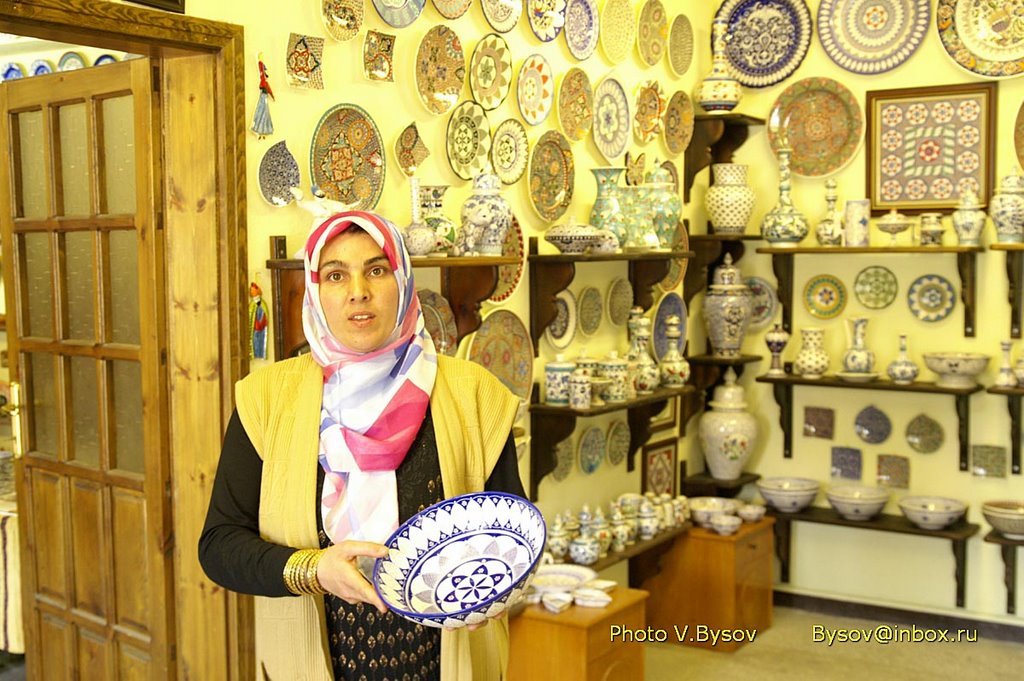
698	633
887	633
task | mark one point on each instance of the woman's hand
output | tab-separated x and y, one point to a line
337	572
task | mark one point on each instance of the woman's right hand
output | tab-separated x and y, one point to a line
338	573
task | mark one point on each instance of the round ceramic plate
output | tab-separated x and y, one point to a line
11	71
399	13
278	173
546	17
439	319
611	119
105	59
591	310
680	45
453	9
983	36
535	89
509	276
410	150
872	425
650	109
619	301
70	61
502	345
651	32
581	27
575	104
342	18
873	36
346	157
510	151
820	120
674	276
670	304
678	123
925	434
668	165
1018	134
590	450
490	71
825	296
875	287
618	30
440	69
468	140
931	298
562	329
764	302
564	457
618	442
502	15
762	56
41	67
552	175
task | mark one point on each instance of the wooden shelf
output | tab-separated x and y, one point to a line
1008	547
1015	278
661	541
703	485
715	139
1013	404
957	534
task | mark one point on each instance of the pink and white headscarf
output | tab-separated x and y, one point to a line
373	402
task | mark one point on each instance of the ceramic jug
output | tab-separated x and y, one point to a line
858	359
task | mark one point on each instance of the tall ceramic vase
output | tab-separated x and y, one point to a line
968	219
727	432
812	362
784	225
665	205
607	212
730	200
719	91
1007	210
858	359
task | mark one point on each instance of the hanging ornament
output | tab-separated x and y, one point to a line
257	322
261	123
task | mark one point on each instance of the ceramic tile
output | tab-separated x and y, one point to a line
304	59
846	463
819	422
893	471
988	461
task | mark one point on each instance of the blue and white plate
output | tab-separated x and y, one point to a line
931	298
12	71
766	39
591	449
618	442
670	304
41	67
399	13
872	37
562	330
547	18
278	173
872	425
564	456
71	61
612	123
104	59
581	27
461	561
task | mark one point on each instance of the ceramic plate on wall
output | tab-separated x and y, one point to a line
565	456
668	165
410	150
502	344
575	104
925	434
764	302
1018	134
547	18
562	329
439	319
670	304
611	119
468	140
71	61
342	18
278	173
825	296
821	121
872	37
105	59
591	449
931	298
872	425
552	175
346	157
399	13
453	9
678	123
650	109
591	310
651	32
680	45
581	27
509	276
620	301
617	442
502	15
510	151
41	67
535	89
12	71
982	36
618	30
761	57
875	287
440	69
490	71
378	56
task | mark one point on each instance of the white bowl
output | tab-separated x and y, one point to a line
751	512
857	502
725	524
788	494
556	601
956	369
1006	517
703	509
932	513
488	541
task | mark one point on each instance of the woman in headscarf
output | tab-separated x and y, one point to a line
327	453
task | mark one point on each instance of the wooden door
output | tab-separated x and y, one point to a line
82	264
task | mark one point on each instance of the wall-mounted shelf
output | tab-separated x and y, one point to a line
966	261
957	534
703	485
1013	401
716	137
782	386
1008	547
1015	277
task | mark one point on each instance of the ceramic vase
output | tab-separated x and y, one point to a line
613	368
419	238
812	361
1006	378
556	380
606	212
558	540
675	370
903	370
1007	210
856	218
829	231
719	91
968	219
664	205
776	340
727	431
858	359
727	309
730	200
647	376
643	237
931	229
432	207
784	225
486	218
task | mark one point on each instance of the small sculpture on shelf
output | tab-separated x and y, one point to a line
903	370
812	361
829	231
776	340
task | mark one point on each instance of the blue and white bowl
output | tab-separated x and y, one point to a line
461	561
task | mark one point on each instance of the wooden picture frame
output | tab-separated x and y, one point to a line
667	418
926	144
660	466
169	5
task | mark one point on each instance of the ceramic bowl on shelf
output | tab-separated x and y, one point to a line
932	513
892	224
704	509
956	369
725	524
461	561
561	577
857	502
788	495
751	512
572	237
1006	517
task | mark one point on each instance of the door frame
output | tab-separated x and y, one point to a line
212	635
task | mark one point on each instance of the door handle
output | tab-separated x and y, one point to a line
13	409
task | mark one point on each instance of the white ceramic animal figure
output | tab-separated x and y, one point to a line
475	220
320	207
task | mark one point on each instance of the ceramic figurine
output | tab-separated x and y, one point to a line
812	362
730	200
607	211
1006	378
257	323
675	370
903	370
776	340
855	223
1007	210
968	219
556	380
262	125
858	359
432	207
664	204
784	225
829	231
727	309
419	238
727	432
719	91
486	218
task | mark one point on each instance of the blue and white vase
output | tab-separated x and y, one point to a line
1007	210
968	219
903	370
784	225
858	359
486	218
855	222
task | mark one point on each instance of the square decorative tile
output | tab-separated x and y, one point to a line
304	59
988	461
819	422
846	463
378	50
893	471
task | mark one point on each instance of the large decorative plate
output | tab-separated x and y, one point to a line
618	30
468	140
670	304
590	449
875	287
547	17
925	434
399	13
766	39
650	109
342	18
502	15
611	119
346	157
825	296
453	9
509	276
440	69
931	298
278	173
562	329
821	121
502	345
872	36
71	61
872	425
490	71
983	36
1018	134
764	302
591	309
535	89
651	32
581	27
439	319
620	301
576	104
618	442
678	122
410	150
12	71
680	45
552	175
565	455
510	151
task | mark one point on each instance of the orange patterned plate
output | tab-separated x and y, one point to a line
502	345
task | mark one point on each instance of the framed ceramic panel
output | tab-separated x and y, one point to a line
666	419
893	471
819	422
659	467
926	145
846	463
988	461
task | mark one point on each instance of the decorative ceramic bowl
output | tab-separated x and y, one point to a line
1006	517
894	223
956	369
461	561
857	502
591	598
562	577
704	509
788	495
932	513
571	237
725	524
751	512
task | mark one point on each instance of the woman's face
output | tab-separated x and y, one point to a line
358	291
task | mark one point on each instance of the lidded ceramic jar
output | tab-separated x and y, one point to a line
584	549
558	540
486	217
579	389
727	432
727	309
730	200
556	380
968	219
1007	210
647	520
614	368
665	205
